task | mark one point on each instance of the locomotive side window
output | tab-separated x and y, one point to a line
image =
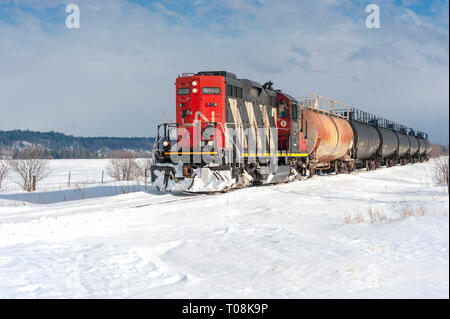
183	91
294	109
234	91
282	110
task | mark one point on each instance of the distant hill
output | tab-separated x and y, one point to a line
58	145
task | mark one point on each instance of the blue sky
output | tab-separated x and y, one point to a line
422	7
115	75
50	11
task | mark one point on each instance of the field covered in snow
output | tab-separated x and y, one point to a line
306	239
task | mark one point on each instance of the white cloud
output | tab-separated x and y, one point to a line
414	17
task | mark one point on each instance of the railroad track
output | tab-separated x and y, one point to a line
178	200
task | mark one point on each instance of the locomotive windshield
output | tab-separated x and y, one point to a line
282	110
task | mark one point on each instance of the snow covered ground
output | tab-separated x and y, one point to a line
297	240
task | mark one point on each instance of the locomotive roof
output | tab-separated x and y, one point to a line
220	73
288	96
252	83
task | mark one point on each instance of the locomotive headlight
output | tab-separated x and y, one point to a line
165	143
194	90
210	143
194	83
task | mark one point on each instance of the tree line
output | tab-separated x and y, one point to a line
54	145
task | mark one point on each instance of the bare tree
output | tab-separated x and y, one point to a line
144	167
27	168
122	166
440	168
4	169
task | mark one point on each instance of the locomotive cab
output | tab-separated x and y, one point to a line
283	122
290	138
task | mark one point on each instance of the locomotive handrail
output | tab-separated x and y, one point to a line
316	102
159	138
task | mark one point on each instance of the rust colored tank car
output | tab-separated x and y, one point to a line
329	137
404	144
389	142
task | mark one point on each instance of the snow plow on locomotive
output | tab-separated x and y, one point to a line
232	133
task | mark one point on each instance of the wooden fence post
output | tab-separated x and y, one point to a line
103	173
68	183
34	183
145	177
